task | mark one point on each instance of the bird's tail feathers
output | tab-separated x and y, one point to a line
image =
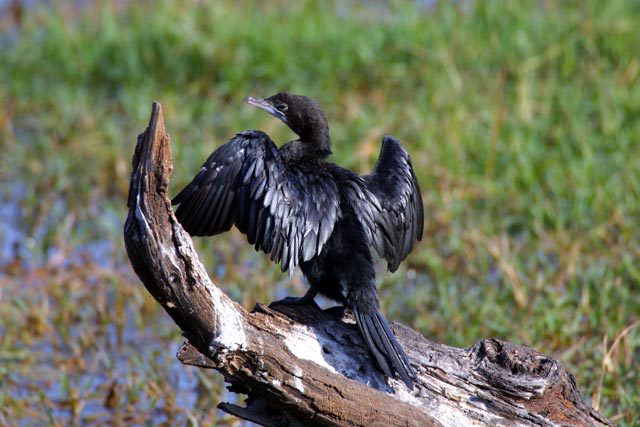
383	344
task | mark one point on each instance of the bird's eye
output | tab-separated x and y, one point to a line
282	107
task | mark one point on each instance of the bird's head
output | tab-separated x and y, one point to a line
302	114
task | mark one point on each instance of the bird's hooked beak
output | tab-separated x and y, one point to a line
266	106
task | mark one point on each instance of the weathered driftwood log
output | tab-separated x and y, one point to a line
305	366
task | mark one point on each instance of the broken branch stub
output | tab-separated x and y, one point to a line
305	366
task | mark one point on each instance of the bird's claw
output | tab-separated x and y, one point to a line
293	301
308	298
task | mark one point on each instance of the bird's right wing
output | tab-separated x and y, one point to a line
284	212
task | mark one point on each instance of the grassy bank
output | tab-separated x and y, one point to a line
522	118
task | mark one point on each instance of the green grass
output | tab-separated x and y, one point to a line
522	119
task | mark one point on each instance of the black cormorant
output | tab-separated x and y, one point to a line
303	210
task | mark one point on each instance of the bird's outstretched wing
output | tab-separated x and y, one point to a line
389	203
284	212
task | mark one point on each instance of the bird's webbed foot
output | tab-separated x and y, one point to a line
336	311
308	298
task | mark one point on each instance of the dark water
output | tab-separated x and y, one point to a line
76	325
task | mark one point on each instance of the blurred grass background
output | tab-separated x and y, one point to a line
522	119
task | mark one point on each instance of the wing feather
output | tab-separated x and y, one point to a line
286	213
390	203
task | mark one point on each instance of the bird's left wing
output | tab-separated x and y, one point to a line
389	203
284	212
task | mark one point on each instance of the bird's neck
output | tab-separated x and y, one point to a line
312	146
318	142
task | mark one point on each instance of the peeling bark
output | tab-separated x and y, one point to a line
305	366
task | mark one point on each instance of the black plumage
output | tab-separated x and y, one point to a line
305	211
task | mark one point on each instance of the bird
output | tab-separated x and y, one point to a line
304	211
